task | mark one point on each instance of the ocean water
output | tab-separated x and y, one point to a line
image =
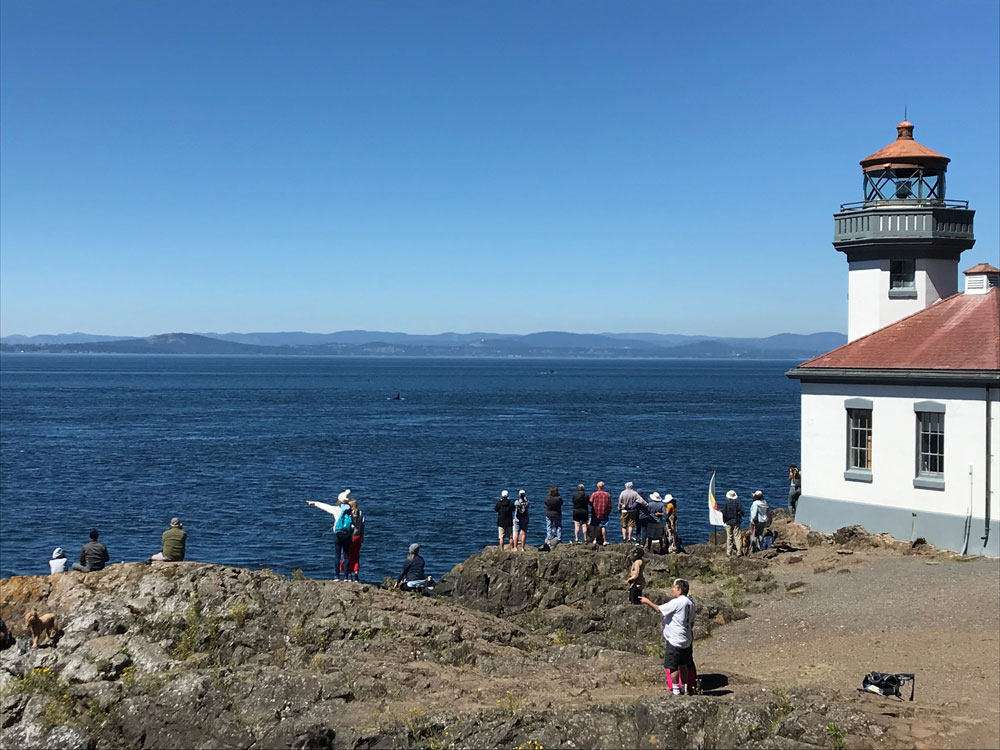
236	445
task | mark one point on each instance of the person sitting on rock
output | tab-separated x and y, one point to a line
412	577
173	543
57	564
93	555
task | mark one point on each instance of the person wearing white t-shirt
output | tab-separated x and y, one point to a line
678	631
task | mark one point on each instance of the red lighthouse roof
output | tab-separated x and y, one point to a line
961	332
906	153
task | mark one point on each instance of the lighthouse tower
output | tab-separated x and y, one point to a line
903	241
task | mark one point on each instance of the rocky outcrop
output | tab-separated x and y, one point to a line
523	650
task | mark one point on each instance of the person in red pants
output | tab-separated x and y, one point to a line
357	536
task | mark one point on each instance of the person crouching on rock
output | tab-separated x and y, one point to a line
678	624
636	580
505	520
173	543
412	577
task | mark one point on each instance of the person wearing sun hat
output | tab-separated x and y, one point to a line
655	531
732	517
759	517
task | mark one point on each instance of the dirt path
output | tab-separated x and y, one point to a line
837	617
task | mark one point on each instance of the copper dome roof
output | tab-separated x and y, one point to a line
906	153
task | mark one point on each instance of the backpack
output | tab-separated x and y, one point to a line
887	684
343	526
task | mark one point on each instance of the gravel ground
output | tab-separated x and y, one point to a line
837	617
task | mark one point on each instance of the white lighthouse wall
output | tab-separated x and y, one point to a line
936	279
869	304
890	502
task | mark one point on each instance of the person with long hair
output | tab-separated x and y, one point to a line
553	516
794	488
520	520
357	536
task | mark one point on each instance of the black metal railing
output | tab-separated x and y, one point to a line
903	203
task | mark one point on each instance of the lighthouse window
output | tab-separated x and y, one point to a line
902	274
859	436
930	445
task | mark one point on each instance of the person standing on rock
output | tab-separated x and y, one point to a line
655	527
341	527
732	517
93	555
678	631
520	520
553	516
173	543
671	523
627	501
636	579
641	517
794	489
357	536
759	517
600	503
581	510
505	520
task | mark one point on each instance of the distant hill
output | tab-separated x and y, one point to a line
59	338
386	344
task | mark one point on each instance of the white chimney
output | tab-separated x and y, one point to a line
980	279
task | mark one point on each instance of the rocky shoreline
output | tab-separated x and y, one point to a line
521	650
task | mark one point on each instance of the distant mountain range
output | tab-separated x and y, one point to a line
383	343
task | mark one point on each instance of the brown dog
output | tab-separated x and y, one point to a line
744	543
41	627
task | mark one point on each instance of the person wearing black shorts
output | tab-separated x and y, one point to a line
678	631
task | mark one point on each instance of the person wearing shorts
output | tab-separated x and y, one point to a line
600	504
520	520
505	519
678	624
627	501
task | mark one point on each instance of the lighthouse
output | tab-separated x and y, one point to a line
903	241
901	425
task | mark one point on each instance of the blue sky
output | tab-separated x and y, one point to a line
494	166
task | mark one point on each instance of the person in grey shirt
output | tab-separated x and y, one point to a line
93	555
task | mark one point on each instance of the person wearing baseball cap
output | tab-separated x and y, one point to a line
505	519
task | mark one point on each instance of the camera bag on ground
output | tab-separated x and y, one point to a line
887	684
